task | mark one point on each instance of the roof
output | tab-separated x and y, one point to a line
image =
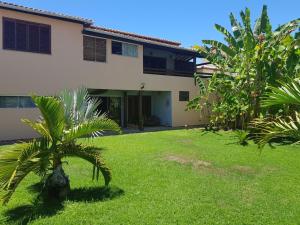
90	29
168	42
23	9
206	69
135	38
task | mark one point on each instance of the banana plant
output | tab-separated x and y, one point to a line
251	59
59	127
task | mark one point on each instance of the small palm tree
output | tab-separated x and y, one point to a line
63	120
287	128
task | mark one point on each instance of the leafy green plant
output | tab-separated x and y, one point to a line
59	128
284	128
251	59
242	137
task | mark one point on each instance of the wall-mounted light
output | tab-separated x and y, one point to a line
142	86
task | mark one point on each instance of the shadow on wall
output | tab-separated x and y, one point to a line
28	213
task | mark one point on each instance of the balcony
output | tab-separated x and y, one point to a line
176	67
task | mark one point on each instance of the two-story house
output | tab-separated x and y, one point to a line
135	76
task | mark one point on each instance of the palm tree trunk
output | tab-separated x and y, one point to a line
57	183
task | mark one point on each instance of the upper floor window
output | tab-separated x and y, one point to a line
16	102
94	49
26	36
120	48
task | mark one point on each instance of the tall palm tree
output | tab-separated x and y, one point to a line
59	129
288	128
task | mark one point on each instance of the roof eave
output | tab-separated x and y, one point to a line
148	43
45	14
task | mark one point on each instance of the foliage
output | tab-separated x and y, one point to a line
251	60
59	130
283	128
242	137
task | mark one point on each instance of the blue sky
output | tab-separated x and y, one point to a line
186	21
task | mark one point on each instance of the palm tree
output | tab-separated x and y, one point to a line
59	129
286	128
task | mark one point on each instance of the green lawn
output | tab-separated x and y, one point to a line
174	177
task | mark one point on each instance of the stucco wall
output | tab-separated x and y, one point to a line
23	73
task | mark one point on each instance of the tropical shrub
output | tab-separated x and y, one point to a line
242	137
63	120
285	128
252	59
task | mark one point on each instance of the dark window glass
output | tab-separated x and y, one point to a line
155	62
184	96
16	102
21	36
26	36
26	102
94	49
34	38
9	102
9	34
116	48
45	39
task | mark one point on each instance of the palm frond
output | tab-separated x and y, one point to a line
284	128
16	162
288	93
79	106
53	113
20	173
90	154
91	127
39	127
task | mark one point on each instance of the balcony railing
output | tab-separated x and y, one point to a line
158	65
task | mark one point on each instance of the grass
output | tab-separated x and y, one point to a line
173	177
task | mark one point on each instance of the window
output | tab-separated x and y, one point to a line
184	96
26	36
116	48
16	102
125	49
94	49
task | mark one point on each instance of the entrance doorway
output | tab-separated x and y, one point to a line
112	107
133	109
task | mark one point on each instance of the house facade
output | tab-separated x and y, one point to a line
133	75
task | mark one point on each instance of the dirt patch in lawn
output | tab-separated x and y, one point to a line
199	165
243	169
185	161
208	167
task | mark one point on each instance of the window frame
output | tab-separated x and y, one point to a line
185	97
95	49
27	23
122	45
18	105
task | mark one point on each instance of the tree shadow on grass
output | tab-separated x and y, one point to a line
42	208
